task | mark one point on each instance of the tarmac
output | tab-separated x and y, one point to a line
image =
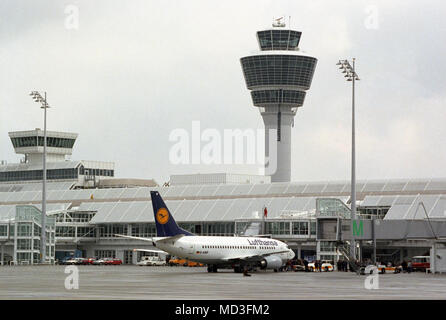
135	282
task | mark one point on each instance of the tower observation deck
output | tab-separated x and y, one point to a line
278	77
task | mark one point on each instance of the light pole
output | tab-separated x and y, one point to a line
351	75
44	105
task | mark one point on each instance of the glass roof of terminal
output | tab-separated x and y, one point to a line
58	191
192	203
409	207
199	210
8	212
35	186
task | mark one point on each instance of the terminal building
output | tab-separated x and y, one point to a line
84	217
87	205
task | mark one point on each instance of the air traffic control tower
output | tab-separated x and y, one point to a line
278	76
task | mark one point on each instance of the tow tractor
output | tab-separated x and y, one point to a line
382	269
326	266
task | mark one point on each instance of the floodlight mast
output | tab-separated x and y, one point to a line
44	105
352	76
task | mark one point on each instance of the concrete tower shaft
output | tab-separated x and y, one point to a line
278	77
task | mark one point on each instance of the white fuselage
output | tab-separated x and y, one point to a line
220	250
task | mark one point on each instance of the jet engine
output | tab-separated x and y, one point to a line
271	262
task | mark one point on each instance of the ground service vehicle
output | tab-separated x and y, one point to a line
193	264
177	261
151	261
421	263
381	269
326	266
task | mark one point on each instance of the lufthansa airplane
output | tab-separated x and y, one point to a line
239	253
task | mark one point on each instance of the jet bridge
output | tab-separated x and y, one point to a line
335	230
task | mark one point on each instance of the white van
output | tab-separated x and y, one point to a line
151	261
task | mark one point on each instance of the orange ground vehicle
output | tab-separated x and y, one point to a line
185	263
177	262
193	264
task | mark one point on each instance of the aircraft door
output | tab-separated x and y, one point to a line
190	248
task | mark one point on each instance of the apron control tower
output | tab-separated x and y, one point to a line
278	77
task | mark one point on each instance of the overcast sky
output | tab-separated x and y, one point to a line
133	71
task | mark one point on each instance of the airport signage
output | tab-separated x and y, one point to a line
358	228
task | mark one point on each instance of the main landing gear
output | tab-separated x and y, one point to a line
238	269
212	268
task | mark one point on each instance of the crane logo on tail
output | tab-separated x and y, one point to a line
162	215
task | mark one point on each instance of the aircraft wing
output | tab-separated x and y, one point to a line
253	258
150	250
174	238
171	239
134	238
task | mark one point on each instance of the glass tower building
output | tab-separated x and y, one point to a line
278	77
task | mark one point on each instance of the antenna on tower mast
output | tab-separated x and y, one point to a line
278	23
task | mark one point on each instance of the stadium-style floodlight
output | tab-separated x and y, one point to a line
37	97
351	75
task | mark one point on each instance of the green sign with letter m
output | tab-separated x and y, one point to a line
358	231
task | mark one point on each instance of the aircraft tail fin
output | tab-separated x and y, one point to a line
164	221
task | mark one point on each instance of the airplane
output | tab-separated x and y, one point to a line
239	253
